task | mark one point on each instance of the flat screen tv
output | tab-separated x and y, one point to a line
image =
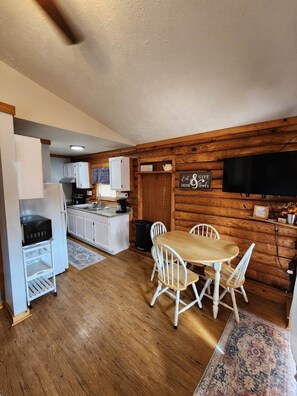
265	174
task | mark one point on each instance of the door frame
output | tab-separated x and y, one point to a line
152	160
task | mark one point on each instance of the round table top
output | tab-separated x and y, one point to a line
199	249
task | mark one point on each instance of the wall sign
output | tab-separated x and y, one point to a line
195	180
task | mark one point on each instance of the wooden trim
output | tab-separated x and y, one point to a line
60	156
7	108
221	132
45	141
16	319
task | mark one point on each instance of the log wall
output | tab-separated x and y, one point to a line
229	212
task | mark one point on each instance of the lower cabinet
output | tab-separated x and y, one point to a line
107	233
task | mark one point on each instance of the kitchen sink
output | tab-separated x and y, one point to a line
95	209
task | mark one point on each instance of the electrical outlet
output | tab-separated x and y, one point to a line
89	192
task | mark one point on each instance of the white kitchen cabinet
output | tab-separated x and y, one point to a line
39	270
101	232
89	230
71	222
29	167
78	171
69	169
119	170
80	229
82	175
107	233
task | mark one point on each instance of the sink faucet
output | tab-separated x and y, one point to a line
98	204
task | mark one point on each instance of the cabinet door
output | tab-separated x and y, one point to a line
119	168
101	234
82	175
80	232
29	167
71	224
89	230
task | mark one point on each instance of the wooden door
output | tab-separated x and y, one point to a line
156	197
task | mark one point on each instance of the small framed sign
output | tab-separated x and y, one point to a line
262	212
195	180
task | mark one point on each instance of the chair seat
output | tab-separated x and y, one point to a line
192	278
225	273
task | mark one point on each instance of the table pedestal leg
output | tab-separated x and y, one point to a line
215	308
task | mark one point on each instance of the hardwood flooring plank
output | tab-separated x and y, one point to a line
99	336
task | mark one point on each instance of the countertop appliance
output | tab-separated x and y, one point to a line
123	204
78	199
52	206
35	229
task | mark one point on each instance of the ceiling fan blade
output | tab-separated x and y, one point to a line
53	11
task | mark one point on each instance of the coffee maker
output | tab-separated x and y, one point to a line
123	203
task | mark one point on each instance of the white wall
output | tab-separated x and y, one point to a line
10	228
57	174
35	103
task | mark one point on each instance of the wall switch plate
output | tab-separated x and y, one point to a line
89	192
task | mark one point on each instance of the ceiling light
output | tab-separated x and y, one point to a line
76	147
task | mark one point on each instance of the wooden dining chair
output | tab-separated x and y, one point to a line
173	275
205	230
208	231
231	279
157	228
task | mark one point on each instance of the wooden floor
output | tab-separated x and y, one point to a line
100	337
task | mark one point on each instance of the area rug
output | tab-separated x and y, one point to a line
252	358
81	257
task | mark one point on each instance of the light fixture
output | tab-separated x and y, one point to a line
76	147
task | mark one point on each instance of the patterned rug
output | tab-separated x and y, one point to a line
252	358
81	257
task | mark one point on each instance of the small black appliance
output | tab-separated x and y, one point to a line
78	199
123	204
35	229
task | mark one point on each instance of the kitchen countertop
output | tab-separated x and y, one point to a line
110	211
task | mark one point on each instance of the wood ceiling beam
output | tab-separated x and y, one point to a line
7	108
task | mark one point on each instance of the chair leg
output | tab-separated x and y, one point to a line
153	272
196	295
234	305
156	294
223	294
244	294
176	308
206	285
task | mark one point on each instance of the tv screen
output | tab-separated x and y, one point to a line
266	174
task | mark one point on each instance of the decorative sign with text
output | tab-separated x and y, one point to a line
195	180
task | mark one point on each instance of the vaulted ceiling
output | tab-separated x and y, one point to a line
154	69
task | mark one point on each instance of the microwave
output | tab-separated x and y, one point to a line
35	229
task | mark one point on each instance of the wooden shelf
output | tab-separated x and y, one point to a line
150	172
273	222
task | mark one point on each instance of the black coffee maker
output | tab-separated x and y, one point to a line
123	203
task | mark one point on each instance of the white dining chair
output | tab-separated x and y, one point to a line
231	279
208	231
205	230
173	275
157	229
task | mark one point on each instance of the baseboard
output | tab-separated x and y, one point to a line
16	319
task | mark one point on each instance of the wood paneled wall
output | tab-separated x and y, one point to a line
228	212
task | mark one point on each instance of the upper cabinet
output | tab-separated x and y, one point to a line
82	175
79	171
29	167
70	169
119	168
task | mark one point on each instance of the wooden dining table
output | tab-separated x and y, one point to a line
197	249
